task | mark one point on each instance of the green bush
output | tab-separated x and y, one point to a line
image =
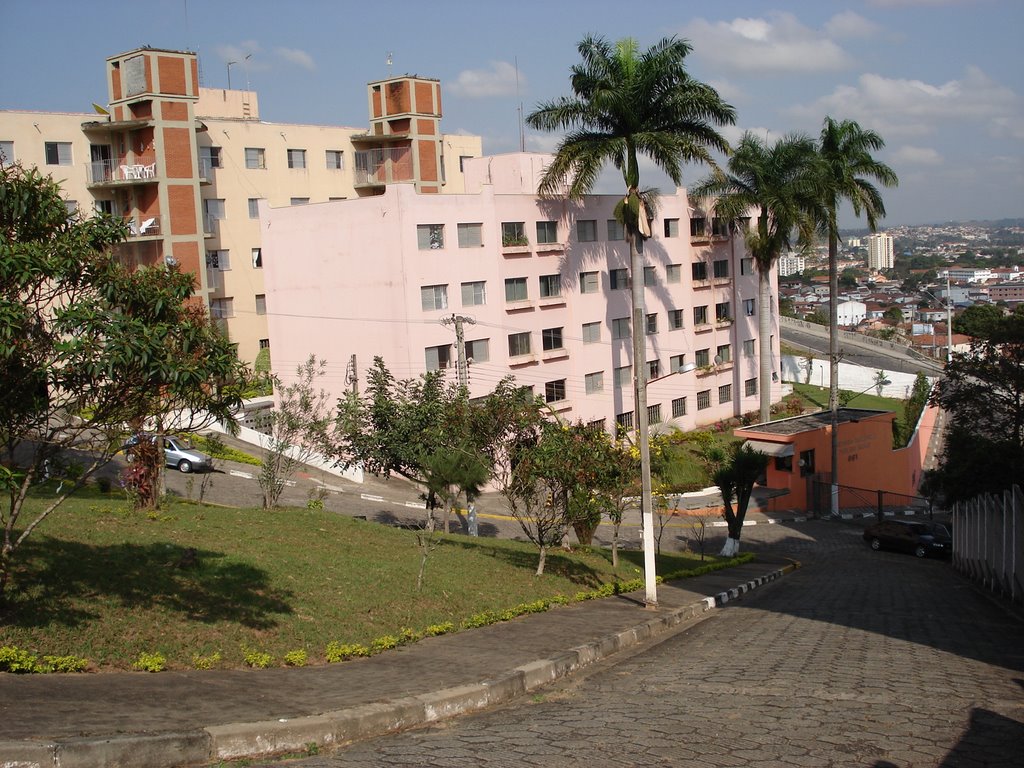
63	664
296	658
336	652
206	662
257	659
150	662
16	660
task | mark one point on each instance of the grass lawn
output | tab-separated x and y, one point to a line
99	581
817	399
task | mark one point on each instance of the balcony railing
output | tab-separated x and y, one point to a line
144	226
211	226
113	172
383	165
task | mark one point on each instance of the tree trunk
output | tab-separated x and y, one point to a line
764	330
540	563
731	548
833	358
615	545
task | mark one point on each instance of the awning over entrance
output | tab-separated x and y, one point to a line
772	449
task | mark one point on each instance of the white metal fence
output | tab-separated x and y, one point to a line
988	542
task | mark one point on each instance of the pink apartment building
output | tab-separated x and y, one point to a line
542	285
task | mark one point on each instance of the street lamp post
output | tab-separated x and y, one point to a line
229	73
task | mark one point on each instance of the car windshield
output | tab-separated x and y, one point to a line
940	530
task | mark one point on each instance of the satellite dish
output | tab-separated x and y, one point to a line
170	261
718	359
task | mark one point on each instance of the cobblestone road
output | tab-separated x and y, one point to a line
858	659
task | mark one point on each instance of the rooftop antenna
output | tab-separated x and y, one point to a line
389	64
522	136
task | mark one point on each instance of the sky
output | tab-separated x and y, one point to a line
942	81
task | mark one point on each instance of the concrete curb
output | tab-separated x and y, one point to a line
266	739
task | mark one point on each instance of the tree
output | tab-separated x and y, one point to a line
779	183
978	321
735	478
846	168
919	394
893	315
301	427
627	104
87	346
983	392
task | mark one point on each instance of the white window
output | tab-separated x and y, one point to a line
255	158
675	319
650	276
515	289
594	382
264	343
434	297
590	282
547	232
703	399
721	268
748	307
671	227
478	351
218	260
7	152
257	258
623	376
750	387
299	201
746	266
261	303
210	157
296	158
748	348
254	207
550	286
615	231
723	312
591	333
673	273
429	236
551	339
653	369
586	230
58	153
654	414
438	358
105	207
698	228
474	294
470	235
724	353
676	363
620	328
222	308
624	420
678	407
700	315
213	209
335	160
518	344
703	358
699	270
652	324
725	393
554	391
618	279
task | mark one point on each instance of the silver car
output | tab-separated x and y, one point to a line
177	453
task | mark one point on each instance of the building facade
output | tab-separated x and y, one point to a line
880	251
791	264
539	286
188	167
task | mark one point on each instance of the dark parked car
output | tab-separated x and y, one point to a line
921	538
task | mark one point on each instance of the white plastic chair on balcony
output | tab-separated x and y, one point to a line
147	224
149	171
127	172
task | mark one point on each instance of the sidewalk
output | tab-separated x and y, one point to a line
196	718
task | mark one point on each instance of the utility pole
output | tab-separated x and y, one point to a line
460	346
949	321
352	375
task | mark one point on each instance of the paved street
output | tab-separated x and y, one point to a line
858	659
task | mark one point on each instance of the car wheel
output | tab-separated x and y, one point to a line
185	466
876	544
920	551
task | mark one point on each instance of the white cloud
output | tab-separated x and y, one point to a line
911	155
914	108
777	43
850	24
728	90
296	56
499	80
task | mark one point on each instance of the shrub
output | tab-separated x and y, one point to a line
206	662
257	659
336	652
384	643
16	660
296	658
63	664
439	629
150	662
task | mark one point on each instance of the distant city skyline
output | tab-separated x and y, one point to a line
941	80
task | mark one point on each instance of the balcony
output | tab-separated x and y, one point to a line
110	173
211	226
543	248
383	165
143	227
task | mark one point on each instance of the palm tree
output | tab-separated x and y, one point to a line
625	104
846	162
779	182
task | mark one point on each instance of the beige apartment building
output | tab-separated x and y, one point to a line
188	167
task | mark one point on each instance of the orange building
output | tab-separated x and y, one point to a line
801	451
